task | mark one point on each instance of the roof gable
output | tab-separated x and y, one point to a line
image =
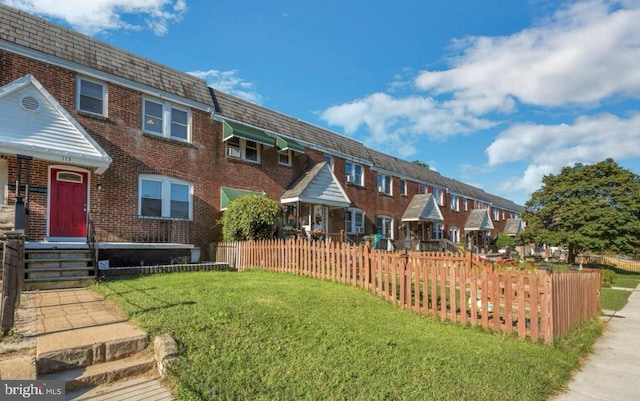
478	220
423	207
319	186
513	226
33	123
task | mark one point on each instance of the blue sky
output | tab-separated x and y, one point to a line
492	93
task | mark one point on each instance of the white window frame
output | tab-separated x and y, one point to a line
438	193
351	221
351	173
103	98
385	184
166	119
454	234
387	226
165	196
438	231
496	214
329	159
454	203
241	146
287	155
403	188
465	204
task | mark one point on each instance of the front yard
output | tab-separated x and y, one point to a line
271	336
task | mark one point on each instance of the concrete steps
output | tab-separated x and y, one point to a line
56	267
106	372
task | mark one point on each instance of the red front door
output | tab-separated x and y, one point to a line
68	204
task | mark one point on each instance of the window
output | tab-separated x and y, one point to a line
454	203
284	157
422	189
329	160
353	173
354	221
164	197
465	204
403	187
439	195
454	234
239	148
384	226
496	214
91	97
384	184
166	120
438	231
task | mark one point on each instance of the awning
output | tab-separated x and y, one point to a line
423	207
231	129
229	194
289	144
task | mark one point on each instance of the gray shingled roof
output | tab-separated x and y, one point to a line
423	207
513	226
478	220
23	29
317	185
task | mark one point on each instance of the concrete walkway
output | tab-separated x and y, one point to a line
612	371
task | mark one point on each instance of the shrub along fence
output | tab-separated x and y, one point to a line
462	288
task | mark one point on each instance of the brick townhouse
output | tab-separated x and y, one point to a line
101	145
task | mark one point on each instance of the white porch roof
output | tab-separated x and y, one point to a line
33	123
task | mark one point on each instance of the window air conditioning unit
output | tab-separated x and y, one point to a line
233	152
359	230
349	179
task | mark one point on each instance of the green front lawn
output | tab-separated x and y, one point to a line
268	336
614	299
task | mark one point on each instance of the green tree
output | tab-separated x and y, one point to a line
594	207
249	217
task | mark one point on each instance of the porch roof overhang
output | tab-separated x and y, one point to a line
317	186
513	226
227	195
423	207
34	124
232	129
478	220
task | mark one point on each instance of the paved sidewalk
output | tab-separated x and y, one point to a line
612	371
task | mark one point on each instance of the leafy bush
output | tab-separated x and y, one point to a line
249	217
606	277
505	240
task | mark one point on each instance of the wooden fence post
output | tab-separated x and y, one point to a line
12	278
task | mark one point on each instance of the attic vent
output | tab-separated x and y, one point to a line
30	103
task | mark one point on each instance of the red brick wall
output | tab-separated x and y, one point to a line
114	209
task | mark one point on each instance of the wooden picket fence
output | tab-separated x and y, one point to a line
462	288
630	265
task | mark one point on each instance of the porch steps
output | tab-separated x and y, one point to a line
141	363
57	267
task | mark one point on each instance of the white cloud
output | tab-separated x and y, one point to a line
94	16
395	120
229	82
584	54
548	148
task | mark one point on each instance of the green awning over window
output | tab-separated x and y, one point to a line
229	194
231	129
289	144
